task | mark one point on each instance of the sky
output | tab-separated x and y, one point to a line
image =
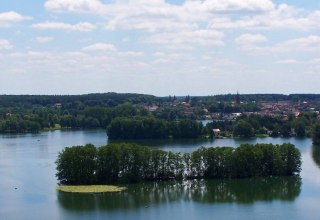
159	47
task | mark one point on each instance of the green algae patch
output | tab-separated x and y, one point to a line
90	188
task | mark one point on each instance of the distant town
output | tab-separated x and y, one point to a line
228	111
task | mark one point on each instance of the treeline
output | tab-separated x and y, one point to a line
80	165
152	128
253	125
33	113
73	101
113	99
266	97
52	118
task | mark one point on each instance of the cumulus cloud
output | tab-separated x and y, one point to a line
282	17
248	39
201	37
94	6
5	44
160	15
74	5
100	47
157	14
304	44
287	61
231	5
82	26
309	43
43	40
7	18
103	47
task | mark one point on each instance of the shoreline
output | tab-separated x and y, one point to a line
90	188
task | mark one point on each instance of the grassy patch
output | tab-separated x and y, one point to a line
91	188
56	127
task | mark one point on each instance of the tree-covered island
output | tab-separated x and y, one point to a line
126	163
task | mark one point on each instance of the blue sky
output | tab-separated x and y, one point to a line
176	47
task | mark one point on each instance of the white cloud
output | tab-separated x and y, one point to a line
74	5
304	44
200	37
95	6
131	54
282	17
111	48
7	18
100	47
232	5
148	24
309	43
246	39
5	44
287	61
82	26
152	15
43	40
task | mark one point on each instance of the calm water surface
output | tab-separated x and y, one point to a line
27	185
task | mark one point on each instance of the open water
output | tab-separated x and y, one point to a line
28	185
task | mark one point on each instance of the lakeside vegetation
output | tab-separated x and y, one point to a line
125	163
90	188
316	133
138	116
153	128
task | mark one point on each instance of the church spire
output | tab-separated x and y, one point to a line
238	98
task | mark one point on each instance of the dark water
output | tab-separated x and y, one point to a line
27	185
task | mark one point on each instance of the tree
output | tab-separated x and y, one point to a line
77	165
285	130
291	160
243	129
316	133
300	129
247	161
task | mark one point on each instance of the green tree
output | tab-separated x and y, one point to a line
300	129
316	133
285	130
77	165
247	161
243	129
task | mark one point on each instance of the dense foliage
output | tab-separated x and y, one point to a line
152	128
77	165
316	133
132	163
173	116
52	118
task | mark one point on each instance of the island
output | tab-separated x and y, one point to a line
130	163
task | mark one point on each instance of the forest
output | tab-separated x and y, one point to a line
127	163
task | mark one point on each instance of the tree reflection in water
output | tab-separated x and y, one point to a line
202	191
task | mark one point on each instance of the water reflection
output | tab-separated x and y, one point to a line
167	142
201	191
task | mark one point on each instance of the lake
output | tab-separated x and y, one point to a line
27	185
